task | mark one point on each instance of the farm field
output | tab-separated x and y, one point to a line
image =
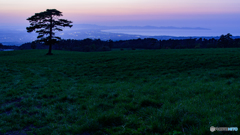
119	92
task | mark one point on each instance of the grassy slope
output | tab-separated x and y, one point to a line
119	92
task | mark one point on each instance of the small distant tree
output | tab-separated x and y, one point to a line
225	41
33	45
45	23
110	43
1	45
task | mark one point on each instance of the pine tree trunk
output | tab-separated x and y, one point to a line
50	50
50	42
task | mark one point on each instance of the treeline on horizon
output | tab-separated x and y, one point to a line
92	45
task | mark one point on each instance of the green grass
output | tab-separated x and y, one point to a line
120	92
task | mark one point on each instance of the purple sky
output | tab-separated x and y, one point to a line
213	14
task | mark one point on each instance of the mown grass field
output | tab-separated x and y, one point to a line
119	92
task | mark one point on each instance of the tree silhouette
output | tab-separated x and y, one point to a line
45	23
225	41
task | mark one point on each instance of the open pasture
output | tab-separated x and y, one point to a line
119	92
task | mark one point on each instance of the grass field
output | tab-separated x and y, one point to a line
119	92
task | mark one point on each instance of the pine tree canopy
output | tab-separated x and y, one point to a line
45	23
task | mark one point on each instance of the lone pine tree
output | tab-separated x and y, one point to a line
45	23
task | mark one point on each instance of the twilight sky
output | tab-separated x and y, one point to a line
224	14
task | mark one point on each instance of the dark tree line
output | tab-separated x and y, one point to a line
8	47
91	45
225	41
86	45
